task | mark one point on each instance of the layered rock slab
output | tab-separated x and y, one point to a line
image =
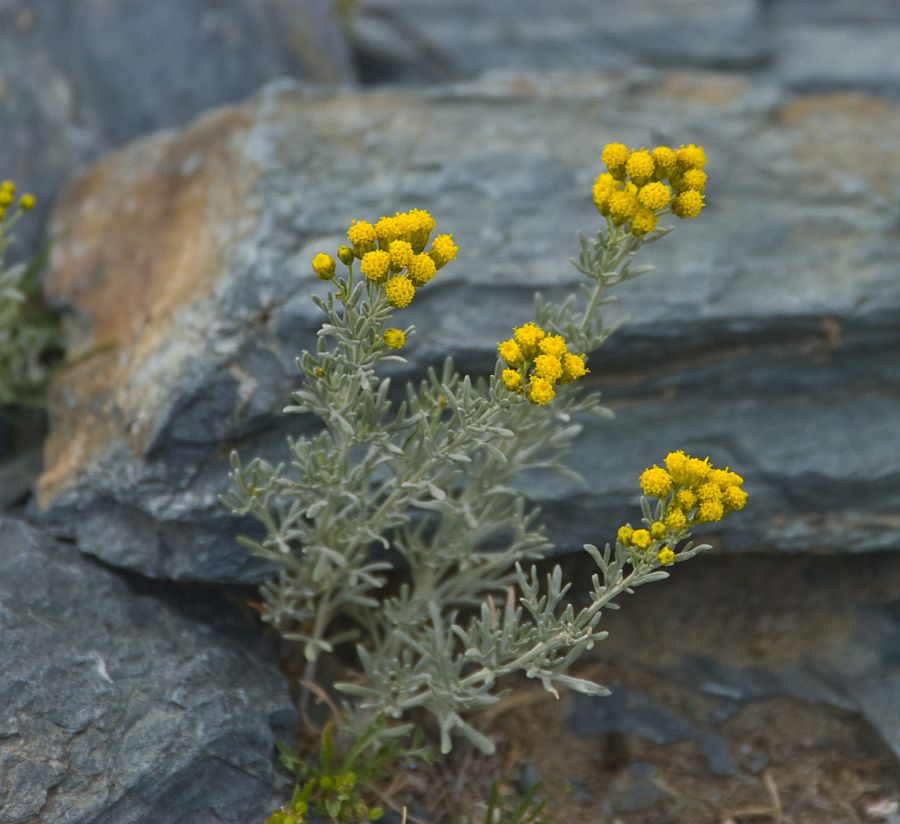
446	41
121	705
764	339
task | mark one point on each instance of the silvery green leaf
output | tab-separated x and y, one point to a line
580	685
316	508
650	577
478	740
645	508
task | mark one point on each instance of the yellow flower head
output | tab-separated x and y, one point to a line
656	482
27	202
690	157
734	498
401	252
345	255
528	336
394	338
421	269
688	204
694	179
664	159
687	471
710	511
622	206
548	367
676	463
658	530
615	156
540	391
640	167
375	265
709	492
419	224
324	266
553	345
511	352
697	470
676	520
641	538
6	197
604	187
686	499
725	478
400	291
8	186
655	196
361	235
644	221
387	230
512	380
573	367
623	536
665	556
443	250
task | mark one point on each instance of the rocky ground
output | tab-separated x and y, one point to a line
762	684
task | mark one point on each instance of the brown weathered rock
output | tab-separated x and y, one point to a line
139	249
763	339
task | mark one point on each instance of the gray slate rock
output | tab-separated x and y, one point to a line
447	41
852	55
79	77
764	339
120	706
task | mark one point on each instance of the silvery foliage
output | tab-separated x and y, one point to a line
23	342
422	489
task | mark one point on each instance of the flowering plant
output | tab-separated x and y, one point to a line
25	336
397	527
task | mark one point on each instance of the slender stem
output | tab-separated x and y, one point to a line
592	305
617	248
309	672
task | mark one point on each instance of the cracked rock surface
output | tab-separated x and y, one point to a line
121	705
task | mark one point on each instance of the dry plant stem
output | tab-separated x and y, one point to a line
309	677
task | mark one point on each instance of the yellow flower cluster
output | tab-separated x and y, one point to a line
394	338
8	198
639	185
692	492
545	355
392	254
